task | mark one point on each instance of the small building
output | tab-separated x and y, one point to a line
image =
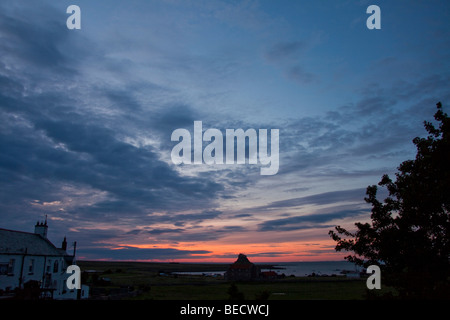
242	270
30	261
269	275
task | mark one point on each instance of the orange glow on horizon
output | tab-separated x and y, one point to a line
257	252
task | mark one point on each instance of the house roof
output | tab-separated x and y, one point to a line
241	266
18	242
242	262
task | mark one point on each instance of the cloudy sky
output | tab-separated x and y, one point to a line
86	118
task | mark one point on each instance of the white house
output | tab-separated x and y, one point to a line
30	258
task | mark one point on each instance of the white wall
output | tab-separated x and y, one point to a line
38	268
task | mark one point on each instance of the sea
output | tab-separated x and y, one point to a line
320	268
300	269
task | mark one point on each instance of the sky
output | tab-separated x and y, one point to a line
86	117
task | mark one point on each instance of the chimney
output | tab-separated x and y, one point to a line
41	228
64	244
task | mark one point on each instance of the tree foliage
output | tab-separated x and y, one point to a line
409	233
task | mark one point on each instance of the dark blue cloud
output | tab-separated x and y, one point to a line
132	253
309	221
353	195
192	233
33	41
52	136
164	230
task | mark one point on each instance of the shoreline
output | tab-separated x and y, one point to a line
165	266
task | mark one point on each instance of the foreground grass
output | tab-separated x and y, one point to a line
152	281
279	290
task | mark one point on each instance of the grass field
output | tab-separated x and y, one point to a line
156	281
279	290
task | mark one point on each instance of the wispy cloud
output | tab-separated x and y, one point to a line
354	195
308	221
132	253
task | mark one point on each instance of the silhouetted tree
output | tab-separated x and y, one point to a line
410	231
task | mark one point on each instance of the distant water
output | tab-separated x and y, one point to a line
301	269
298	269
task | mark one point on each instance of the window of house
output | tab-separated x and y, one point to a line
55	266
3	269
48	266
31	267
11	264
